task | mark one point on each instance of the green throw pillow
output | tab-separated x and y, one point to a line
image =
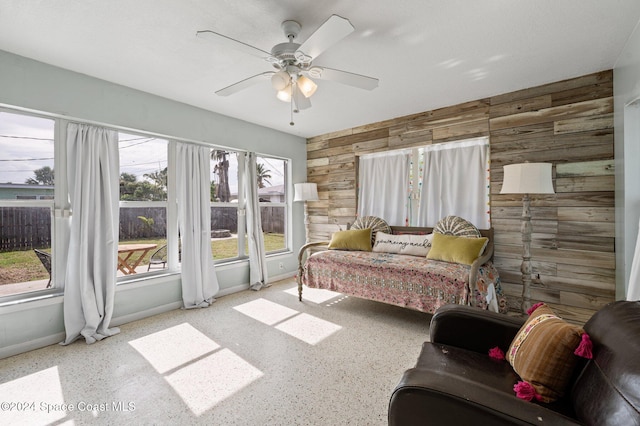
355	239
449	248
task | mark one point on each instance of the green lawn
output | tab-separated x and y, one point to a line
22	266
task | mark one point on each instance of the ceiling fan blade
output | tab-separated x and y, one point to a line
243	84
344	77
223	40
301	101
329	33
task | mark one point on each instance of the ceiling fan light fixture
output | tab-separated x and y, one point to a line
285	94
280	80
307	86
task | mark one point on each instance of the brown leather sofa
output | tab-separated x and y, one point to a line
455	382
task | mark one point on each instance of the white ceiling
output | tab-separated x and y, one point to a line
426	53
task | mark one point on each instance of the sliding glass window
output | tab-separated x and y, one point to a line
142	246
27	189
273	195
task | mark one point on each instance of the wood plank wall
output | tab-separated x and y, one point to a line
567	123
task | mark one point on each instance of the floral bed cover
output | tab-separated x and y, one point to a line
407	281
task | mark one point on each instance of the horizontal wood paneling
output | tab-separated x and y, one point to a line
568	123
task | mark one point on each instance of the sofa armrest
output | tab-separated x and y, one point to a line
428	396
473	271
473	328
301	258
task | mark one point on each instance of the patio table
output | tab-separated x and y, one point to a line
125	251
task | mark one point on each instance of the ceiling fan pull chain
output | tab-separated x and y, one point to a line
291	123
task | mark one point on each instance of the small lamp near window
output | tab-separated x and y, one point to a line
527	178
306	192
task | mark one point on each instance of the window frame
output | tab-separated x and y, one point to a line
284	204
172	265
54	205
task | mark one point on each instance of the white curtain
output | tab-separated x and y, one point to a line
193	186
383	181
455	181
90	281
633	290
257	262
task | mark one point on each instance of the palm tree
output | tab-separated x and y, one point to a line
223	193
262	175
158	177
159	181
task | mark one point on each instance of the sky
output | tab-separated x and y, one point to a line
26	144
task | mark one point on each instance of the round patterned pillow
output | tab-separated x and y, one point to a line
457	226
375	223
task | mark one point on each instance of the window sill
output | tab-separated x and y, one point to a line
135	281
23	301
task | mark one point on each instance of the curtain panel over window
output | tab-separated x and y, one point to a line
383	186
193	186
418	187
93	179
258	276
455	181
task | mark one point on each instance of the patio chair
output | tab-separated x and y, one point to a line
159	257
45	258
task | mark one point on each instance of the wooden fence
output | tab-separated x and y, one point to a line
26	228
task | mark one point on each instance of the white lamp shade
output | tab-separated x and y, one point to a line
280	80
527	178
307	86
285	94
306	192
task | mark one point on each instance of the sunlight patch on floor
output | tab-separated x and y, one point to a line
315	295
265	311
209	381
308	328
199	370
36	399
173	347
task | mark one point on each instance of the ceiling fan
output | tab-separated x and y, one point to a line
294	62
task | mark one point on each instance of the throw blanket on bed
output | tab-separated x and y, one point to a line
407	281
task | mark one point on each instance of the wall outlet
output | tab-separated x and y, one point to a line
281	265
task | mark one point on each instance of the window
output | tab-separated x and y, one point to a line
272	193
142	246
419	186
33	147
226	243
228	225
26	201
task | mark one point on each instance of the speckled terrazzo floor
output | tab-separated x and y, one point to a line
252	358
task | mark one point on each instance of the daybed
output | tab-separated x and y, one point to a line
411	281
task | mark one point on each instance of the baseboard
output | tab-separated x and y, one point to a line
31	345
282	276
231	290
124	319
242	287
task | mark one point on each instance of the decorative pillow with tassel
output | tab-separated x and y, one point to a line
544	354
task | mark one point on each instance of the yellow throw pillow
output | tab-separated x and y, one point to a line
449	248
355	239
